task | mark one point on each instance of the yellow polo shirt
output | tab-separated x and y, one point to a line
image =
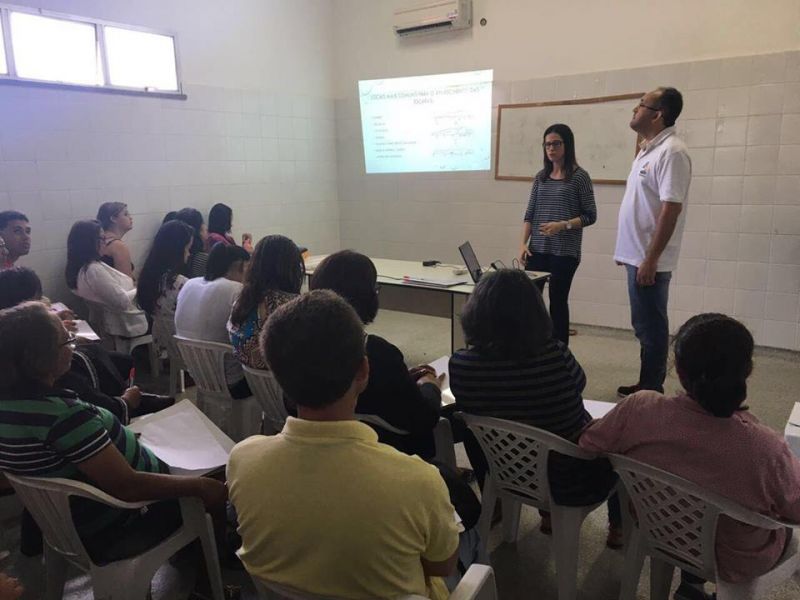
324	508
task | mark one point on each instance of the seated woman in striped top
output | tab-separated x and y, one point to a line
514	369
560	206
47	432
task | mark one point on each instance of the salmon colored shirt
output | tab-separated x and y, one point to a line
736	457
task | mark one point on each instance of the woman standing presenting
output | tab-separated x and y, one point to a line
560	206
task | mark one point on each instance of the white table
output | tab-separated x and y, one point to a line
400	292
792	430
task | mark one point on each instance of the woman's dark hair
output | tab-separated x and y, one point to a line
276	264
17	285
171	216
714	358
163	264
29	352
220	219
314	345
570	163
353	276
505	317
221	258
83	248
194	219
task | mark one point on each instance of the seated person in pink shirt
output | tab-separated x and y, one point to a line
708	436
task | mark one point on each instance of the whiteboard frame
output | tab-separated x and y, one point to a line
596	100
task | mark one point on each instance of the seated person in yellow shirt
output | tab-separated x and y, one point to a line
323	507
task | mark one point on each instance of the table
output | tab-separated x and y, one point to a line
401	290
792	430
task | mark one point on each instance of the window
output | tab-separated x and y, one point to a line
138	59
3	65
54	49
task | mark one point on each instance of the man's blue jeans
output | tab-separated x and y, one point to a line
651	325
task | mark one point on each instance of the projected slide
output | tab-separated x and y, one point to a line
428	123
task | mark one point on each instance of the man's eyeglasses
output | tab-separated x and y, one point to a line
71	342
555	145
643	105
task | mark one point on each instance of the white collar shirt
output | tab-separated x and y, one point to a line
661	172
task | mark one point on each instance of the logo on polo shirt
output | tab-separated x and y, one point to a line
644	169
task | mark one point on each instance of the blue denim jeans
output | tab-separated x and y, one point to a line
651	325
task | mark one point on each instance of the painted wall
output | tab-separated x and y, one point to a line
257	131
741	248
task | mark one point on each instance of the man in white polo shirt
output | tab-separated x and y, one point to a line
651	221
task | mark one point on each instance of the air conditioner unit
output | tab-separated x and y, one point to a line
432	17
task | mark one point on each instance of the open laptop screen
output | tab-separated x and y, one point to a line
471	261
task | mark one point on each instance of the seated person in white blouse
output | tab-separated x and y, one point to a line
93	280
204	306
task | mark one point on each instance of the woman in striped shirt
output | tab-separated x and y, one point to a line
514	369
560	206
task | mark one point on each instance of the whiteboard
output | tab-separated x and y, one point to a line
605	145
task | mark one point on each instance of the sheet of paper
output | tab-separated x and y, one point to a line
441	365
792	430
184	438
597	408
85	331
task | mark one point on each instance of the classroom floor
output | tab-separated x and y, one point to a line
524	569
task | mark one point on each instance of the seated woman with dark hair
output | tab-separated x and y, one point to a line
51	433
198	257
220	223
204	306
514	369
95	281
274	276
161	281
404	401
707	435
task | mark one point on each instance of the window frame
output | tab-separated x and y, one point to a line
13	79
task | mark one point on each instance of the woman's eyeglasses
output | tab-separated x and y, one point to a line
554	145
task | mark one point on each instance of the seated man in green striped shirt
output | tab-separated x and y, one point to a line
49	434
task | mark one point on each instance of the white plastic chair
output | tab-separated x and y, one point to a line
476	584
270	397
518	474
206	364
442	436
176	365
677	527
118	341
129	579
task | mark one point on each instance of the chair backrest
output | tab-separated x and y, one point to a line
517	456
678	518
380	423
269	395
206	363
47	499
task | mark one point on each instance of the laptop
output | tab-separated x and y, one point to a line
471	261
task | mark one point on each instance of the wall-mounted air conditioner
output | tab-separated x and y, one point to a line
433	16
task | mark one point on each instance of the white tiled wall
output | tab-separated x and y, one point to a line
270	156
741	247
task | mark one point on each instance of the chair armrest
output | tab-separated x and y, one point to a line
477	582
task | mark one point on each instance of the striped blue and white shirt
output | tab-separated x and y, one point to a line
560	200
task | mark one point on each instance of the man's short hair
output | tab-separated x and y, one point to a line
314	345
17	285
670	103
11	215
